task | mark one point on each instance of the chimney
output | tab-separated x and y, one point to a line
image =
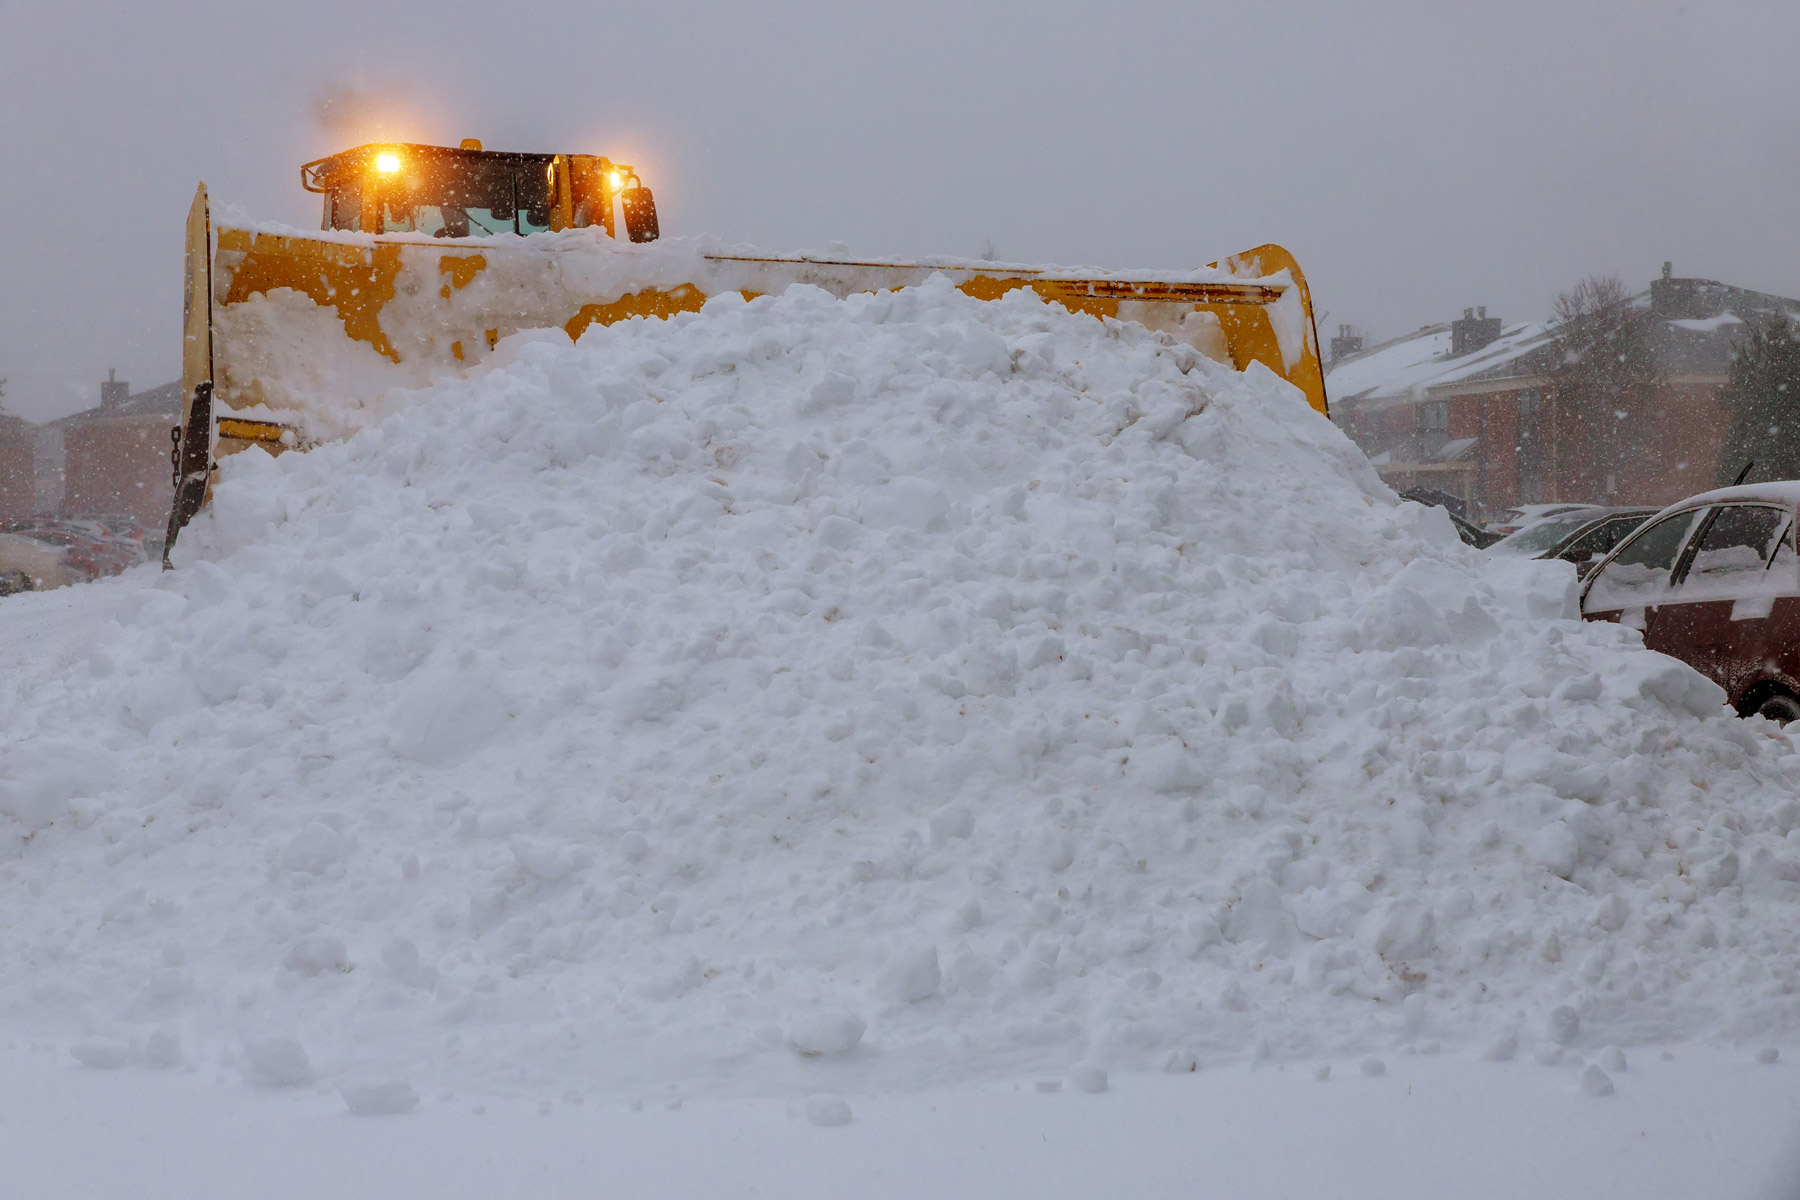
1673	299
1345	343
1475	330
114	391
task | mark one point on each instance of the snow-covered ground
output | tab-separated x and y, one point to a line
1702	1124
903	698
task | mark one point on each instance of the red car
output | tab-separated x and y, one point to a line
78	548
1715	582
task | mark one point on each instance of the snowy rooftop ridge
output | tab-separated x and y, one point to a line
1410	366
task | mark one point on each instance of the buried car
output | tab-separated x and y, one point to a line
1471	533
1582	536
1715	581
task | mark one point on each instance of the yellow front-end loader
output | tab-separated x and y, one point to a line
428	255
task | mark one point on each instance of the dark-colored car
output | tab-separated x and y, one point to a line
1582	536
1471	534
1515	519
1715	582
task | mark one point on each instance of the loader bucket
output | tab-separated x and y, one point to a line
303	335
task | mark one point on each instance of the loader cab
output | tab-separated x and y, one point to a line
469	192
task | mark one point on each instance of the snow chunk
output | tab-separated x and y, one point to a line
917	975
384	1098
1563	1024
315	954
823	1108
104	1053
313	849
1595	1082
828	1032
1088	1077
277	1062
1555	849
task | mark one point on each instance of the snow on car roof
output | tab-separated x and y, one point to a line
1785	492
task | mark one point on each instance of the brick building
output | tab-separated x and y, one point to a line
18	472
116	456
1467	407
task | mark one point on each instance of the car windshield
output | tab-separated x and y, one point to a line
1540	538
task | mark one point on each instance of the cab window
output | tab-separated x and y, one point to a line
459	197
346	205
1639	574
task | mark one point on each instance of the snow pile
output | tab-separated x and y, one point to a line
813	694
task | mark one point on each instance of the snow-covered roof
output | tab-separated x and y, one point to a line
162	401
1409	367
1709	324
1351	378
1423	361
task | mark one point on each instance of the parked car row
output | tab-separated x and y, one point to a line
1713	580
42	552
1582	534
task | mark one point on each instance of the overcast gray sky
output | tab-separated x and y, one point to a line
1416	157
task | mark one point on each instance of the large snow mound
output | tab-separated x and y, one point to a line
879	690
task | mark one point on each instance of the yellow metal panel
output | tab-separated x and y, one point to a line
562	208
649	303
266	433
1258	339
461	268
355	280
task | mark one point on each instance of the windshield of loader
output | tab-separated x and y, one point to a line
456	195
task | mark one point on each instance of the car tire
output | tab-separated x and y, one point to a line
1778	707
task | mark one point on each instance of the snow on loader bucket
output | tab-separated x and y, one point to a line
428	256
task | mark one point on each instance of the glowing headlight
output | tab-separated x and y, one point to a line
387	164
613	179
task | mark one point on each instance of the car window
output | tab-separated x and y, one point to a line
1639	574
1603	537
1783	573
1733	551
1615	531
1539	538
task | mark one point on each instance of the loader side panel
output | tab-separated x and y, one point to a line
196	303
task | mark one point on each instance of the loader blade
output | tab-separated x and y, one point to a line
298	337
